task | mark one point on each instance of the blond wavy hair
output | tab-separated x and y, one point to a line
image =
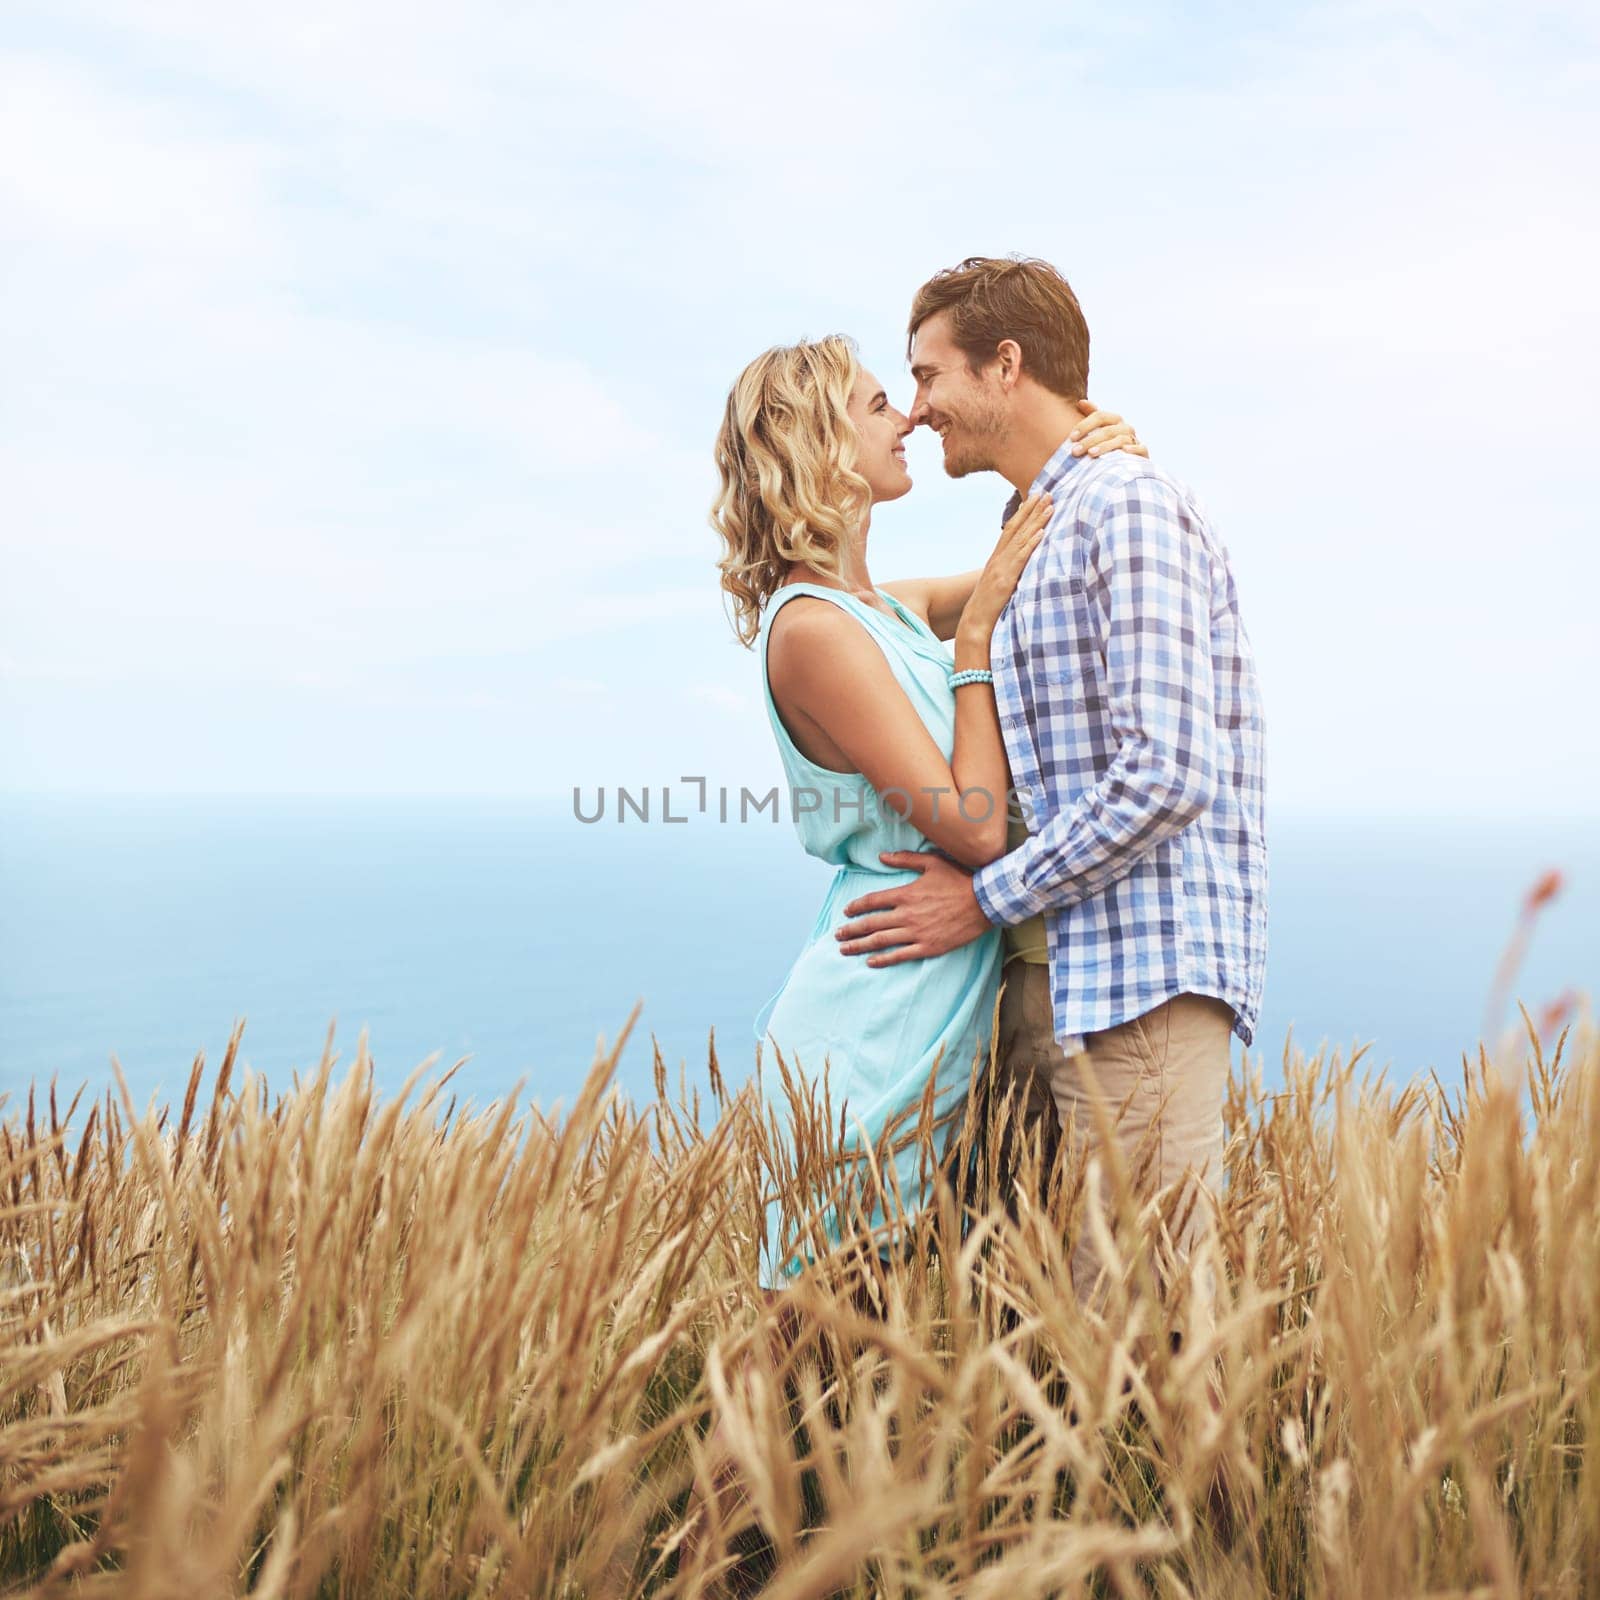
786	453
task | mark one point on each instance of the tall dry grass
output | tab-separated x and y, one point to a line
326	1344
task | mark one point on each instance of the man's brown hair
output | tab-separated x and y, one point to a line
990	298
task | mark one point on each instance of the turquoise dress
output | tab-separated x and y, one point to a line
881	1031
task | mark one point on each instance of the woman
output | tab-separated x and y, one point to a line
888	743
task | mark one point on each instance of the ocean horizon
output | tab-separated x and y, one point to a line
512	936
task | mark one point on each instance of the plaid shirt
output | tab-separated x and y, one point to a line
1132	719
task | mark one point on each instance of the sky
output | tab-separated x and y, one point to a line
362	362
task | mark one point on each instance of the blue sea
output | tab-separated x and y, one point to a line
517	938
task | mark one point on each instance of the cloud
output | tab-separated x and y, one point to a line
375	352
95	171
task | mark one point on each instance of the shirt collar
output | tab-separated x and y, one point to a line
1051	475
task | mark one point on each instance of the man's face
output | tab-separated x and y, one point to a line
966	409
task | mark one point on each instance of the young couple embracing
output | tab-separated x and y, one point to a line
1094	673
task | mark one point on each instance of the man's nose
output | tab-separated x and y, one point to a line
919	412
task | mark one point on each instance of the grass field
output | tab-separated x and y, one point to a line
320	1343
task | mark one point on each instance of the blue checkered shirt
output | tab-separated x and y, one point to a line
1132	719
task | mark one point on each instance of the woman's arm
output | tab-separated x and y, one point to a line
829	678
940	601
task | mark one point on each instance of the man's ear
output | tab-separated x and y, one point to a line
1009	354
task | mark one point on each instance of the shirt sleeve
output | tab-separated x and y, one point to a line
1148	578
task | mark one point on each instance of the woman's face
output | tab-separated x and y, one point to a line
882	455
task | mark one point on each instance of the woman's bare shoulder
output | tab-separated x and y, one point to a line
809	631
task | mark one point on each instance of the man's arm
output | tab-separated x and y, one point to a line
1150	590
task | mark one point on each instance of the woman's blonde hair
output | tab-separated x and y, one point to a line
786	453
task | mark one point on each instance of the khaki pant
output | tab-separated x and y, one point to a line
1162	1077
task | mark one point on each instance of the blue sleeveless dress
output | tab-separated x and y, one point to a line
881	1032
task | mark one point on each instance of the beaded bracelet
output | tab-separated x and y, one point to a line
971	675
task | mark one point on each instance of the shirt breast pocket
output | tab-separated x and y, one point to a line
1061	569
1058	621
1064	683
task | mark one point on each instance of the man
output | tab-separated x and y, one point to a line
1134	898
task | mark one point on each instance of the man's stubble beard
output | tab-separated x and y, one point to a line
987	436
